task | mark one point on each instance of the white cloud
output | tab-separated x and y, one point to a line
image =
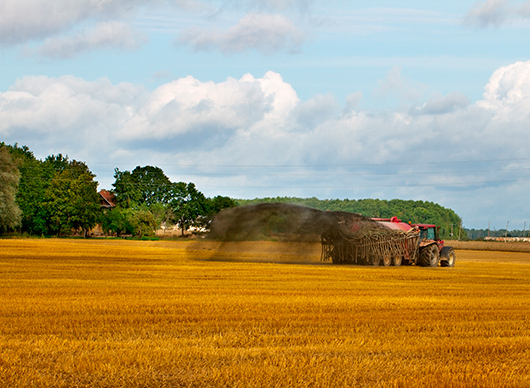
265	115
490	12
508	90
340	152
66	114
63	25
262	31
190	107
59	21
103	35
439	104
498	12
23	20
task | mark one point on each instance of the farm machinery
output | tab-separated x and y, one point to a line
383	241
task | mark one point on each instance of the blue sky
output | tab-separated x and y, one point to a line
251	98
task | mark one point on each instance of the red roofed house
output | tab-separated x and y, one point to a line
107	199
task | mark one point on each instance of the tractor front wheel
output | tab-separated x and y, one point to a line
447	257
429	256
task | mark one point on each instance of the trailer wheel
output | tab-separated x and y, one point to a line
387	260
375	260
429	256
447	257
335	256
397	260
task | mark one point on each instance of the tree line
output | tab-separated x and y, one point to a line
416	212
58	196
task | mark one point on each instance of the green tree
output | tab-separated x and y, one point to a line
213	206
188	205
10	214
35	177
143	221
162	213
143	186
71	200
125	189
117	221
218	203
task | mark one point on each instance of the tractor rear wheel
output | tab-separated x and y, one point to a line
429	256
397	260
447	257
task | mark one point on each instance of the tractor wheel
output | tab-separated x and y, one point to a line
447	257
387	260
335	256
397	260
429	256
376	260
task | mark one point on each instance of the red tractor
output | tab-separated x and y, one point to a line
384	241
430	250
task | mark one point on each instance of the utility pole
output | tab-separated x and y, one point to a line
524	229
489	226
506	234
460	231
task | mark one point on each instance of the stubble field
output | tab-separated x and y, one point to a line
98	313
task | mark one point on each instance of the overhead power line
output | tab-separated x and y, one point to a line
320	165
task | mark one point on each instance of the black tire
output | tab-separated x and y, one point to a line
429	256
375	260
397	260
387	260
447	257
336	257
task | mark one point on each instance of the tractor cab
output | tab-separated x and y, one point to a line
429	235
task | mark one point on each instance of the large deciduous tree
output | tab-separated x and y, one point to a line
10	214
143	186
149	189
72	201
188	204
35	177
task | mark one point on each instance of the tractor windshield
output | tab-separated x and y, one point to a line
428	234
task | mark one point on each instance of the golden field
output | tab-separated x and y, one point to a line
97	313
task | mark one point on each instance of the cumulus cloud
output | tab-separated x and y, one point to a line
440	104
66	113
261	121
498	12
262	31
508	94
265	115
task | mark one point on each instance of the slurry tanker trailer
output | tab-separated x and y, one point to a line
384	241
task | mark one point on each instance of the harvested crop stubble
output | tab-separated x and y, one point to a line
159	314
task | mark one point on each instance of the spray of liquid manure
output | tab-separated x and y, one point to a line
286	232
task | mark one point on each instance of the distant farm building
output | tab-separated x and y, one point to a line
107	199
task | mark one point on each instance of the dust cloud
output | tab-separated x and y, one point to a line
276	232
